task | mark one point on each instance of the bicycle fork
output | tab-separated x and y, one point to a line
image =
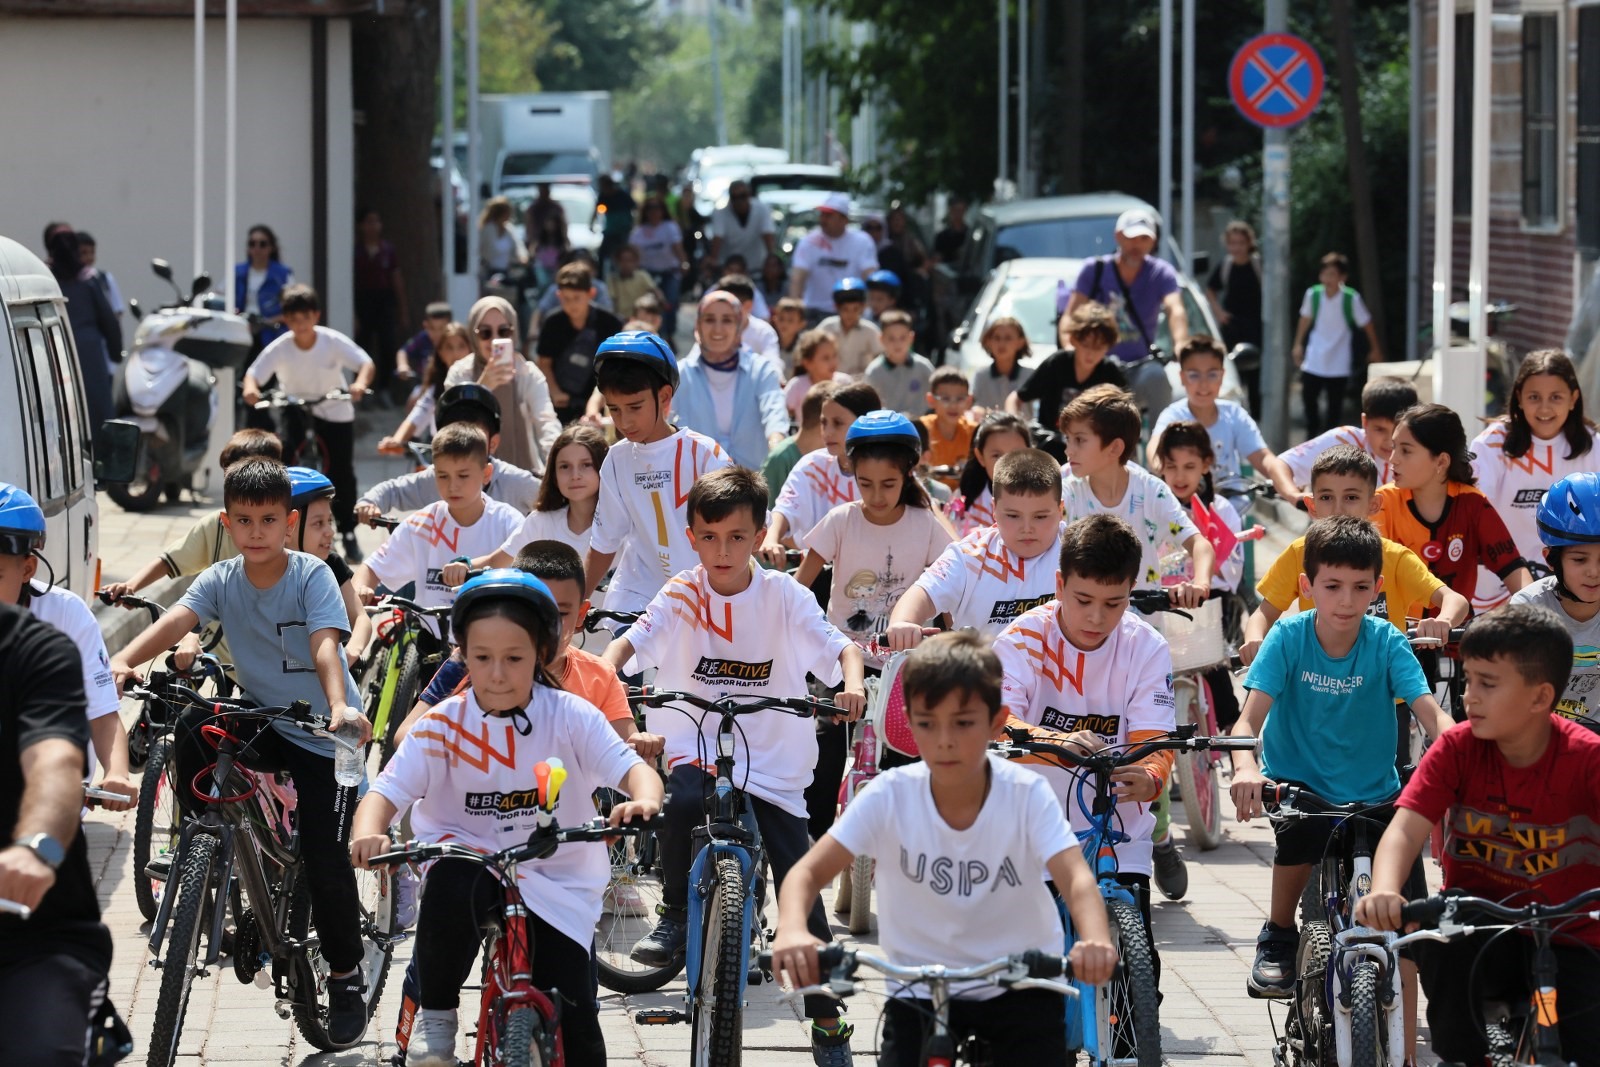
1353	945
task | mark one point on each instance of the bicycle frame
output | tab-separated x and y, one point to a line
508	977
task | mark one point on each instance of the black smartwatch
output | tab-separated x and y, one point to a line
47	848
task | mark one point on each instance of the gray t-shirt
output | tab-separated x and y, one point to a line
903	388
1582	698
412	492
270	632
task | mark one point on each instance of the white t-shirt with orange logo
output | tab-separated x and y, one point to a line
420	547
985	586
1515	487
761	642
1120	688
815	487
468	778
1302	457
641	516
1147	505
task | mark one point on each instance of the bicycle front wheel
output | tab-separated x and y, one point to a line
719	1000
312	454
523	1039
1199	777
861	895
1133	1010
633	899
308	972
1369	1031
407	688
155	826
183	949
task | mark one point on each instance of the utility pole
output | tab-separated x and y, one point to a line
716	75
1275	308
1186	120
1164	171
1003	172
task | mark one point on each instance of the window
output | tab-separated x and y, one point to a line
1541	117
33	449
46	403
74	414
1463	117
1588	190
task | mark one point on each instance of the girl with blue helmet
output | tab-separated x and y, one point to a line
311	494
464	772
1568	520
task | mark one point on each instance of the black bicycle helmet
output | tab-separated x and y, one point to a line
510	583
468	402
641	347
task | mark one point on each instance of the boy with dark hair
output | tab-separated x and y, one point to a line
988	578
309	361
628	283
569	338
1082	665
411	361
859	340
1515	788
729	627
789	320
949	430
782	459
901	377
287	624
1330	678
1382	401
1331	315
977	811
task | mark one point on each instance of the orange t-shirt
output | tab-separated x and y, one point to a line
952	451
592	678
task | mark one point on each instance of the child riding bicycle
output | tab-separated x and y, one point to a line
465	773
1515	786
962	810
1569	527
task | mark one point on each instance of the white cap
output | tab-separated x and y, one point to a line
839	203
1137	222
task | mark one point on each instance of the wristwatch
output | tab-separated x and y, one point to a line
47	848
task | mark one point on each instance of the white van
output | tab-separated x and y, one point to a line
49	450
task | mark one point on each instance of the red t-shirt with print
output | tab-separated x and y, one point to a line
1515	834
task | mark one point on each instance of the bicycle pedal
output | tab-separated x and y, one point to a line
660	1017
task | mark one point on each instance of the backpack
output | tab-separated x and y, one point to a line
1359	345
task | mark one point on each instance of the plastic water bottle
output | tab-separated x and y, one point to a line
347	761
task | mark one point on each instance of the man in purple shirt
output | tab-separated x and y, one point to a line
1137	288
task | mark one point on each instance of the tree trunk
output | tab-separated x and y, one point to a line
1355	151
394	75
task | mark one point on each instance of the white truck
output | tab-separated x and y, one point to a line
532	137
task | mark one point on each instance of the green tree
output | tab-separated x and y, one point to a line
600	44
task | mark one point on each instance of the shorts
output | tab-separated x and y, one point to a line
1305	841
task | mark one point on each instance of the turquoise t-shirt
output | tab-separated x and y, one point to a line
1332	722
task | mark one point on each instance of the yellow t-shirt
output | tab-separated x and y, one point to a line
1407	582
207	542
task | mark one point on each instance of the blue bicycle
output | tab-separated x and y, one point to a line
1118	1024
726	885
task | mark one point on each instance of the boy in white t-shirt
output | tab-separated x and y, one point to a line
991	576
645	479
1102	430
461	524
962	810
1083	666
729	628
1324	342
1382	401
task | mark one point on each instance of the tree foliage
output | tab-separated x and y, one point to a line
600	44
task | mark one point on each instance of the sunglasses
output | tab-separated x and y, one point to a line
260	244
486	333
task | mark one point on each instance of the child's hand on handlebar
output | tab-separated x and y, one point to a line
363	849
1434	629
1247	652
1246	793
904	636
627	811
454	572
773	553
795	954
187	651
122	673
1188	595
366	512
1093	961
116	591
1380	910
1135	783
647	746
851	703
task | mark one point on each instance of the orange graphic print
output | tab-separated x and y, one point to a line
1049	656
831	488
433	529
997	564
683	478
696	607
457	742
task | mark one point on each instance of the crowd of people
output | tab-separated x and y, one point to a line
801	463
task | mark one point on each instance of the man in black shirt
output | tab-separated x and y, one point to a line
1086	336
53	965
948	241
1234	290
569	339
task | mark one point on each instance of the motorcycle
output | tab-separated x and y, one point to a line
164	385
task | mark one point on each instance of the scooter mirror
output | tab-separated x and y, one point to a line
116	451
201	284
162	269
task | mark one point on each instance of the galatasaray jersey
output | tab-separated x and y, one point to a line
1516	485
761	642
985	586
1469	532
1121	688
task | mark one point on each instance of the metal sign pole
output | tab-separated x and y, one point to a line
1275	303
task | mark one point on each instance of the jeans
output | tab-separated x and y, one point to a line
457	899
1314	390
323	815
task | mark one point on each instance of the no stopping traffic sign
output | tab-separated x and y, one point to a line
1275	80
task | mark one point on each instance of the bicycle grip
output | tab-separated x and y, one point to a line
830	956
1425	912
1046	964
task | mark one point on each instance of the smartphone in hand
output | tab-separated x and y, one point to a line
503	351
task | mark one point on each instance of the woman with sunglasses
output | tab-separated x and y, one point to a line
258	285
528	423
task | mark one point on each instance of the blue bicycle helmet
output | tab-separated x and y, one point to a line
511	584
1569	514
306	485
883	427
641	347
22	528
884	279
851	288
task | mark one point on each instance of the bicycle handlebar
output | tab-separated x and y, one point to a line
592	621
540	843
801	707
1033	969
11	907
1434	642
1295	799
1020	740
298	713
384	522
128	600
277	398
1441	908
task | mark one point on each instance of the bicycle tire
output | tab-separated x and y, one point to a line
1369	1039
1199	780
861	895
719	1002
183	950
522	1038
633	865
312	453
156	801
1311	1017
407	689
1135	1041
310	972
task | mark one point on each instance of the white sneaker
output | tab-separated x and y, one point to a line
433	1039
623	900
406	897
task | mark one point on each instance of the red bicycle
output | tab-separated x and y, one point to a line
518	1025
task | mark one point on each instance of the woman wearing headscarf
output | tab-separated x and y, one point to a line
726	391
95	330
528	424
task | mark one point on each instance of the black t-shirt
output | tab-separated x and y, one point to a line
571	351
43	698
1055	383
1240	297
341	570
947	243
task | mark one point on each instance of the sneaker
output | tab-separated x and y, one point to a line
1171	875
831	1048
347	1008
623	900
660	946
406	899
352	550
1272	976
433	1039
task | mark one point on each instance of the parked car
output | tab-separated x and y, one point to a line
712	170
1028	290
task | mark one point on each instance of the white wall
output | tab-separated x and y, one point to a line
98	131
